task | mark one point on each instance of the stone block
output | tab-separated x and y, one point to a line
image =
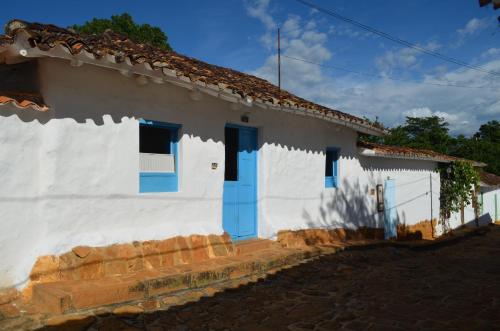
73	267
421	230
105	292
151	254
199	248
128	310
226	239
217	248
210	275
170	300
167	251
51	298
150	305
82	251
8	295
168	284
46	269
182	245
125	258
9	310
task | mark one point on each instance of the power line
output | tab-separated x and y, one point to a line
398	40
380	76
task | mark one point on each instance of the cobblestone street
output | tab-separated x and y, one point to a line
456	287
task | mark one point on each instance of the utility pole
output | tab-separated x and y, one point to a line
279	60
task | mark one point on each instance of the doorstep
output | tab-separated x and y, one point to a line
255	258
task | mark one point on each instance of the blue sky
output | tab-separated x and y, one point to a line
242	35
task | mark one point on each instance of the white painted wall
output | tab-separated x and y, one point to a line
70	176
487	215
489	207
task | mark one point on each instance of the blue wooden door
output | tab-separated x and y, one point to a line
239	217
390	212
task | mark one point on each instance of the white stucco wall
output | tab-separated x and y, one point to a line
487	213
489	207
70	176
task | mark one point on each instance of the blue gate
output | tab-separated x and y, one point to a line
390	212
239	215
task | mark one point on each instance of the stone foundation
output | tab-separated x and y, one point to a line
321	237
422	230
89	263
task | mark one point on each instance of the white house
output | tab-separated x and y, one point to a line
105	141
489	197
489	204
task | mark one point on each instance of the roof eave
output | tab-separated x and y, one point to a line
368	152
373	153
21	50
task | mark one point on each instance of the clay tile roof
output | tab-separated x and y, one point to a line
402	152
46	37
23	100
490	179
5	40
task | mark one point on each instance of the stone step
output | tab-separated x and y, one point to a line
250	246
76	295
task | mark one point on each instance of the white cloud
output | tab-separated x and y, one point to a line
492	52
453	119
291	26
259	9
402	58
299	40
313	11
343	30
464	108
473	26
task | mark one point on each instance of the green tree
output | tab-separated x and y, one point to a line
459	180
418	132
428	132
433	133
489	132
124	24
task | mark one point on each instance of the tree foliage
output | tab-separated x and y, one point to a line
459	182
124	24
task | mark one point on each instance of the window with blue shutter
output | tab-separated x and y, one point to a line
158	156
332	167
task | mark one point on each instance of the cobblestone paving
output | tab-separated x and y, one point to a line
456	287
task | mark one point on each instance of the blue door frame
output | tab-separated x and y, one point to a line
239	214
390	212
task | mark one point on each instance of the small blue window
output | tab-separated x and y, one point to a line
332	167
158	156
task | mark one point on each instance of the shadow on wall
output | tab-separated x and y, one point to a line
95	96
351	206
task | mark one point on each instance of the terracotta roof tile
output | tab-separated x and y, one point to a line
46	36
5	40
490	179
406	151
23	100
412	153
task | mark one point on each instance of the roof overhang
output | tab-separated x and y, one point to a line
369	152
21	50
373	153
